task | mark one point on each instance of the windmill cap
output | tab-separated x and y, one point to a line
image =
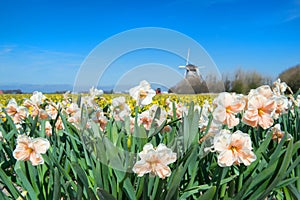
191	67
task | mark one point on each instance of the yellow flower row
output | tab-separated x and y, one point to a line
105	99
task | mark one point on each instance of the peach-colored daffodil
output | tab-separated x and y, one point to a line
263	90
18	113
145	119
31	149
278	134
281	105
259	112
227	108
72	109
155	161
233	148
48	128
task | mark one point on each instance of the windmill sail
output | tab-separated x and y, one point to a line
187	57
192	82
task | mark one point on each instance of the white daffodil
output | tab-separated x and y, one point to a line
142	93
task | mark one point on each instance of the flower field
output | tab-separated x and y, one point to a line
151	146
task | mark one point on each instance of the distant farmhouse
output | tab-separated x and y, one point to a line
11	91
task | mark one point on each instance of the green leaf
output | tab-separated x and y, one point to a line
115	155
113	185
282	170
158	189
23	179
33	177
276	154
106	177
209	194
97	174
185	195
286	182
120	175
262	148
198	188
57	184
287	194
129	189
262	177
9	184
193	170
79	192
174	184
294	191
33	125
104	195
245	187
179	172
156	116
292	166
193	128
259	189
296	147
157	130
114	134
91	194
140	186
3	196
61	169
81	174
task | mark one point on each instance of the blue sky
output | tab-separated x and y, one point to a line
46	41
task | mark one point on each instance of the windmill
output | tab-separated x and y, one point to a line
190	69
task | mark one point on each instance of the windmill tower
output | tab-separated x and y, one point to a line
190	69
193	82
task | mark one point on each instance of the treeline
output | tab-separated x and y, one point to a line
243	81
292	77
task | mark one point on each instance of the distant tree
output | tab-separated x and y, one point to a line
238	86
60	92
254	80
243	81
214	83
240	82
292	77
227	83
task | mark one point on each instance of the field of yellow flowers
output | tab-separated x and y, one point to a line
106	99
145	145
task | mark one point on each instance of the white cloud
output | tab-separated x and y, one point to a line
294	12
292	17
4	49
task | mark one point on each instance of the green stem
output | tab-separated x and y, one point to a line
223	191
240	184
146	192
220	175
297	174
